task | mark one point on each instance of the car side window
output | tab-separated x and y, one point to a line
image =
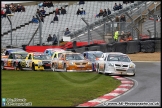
10	56
29	56
55	56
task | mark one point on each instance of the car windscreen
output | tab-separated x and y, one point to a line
74	57
91	56
98	54
122	58
41	57
20	56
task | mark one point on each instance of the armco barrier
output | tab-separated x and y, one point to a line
148	46
133	47
121	47
157	45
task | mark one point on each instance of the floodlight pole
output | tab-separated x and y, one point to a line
11	27
88	30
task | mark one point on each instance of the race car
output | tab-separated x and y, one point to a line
115	63
36	61
93	57
71	62
13	60
9	50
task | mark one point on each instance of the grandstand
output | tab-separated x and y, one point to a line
23	30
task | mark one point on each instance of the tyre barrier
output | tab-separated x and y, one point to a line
73	50
94	48
80	50
148	46
133	47
121	47
103	47
111	47
157	45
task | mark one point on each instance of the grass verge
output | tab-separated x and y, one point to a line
55	88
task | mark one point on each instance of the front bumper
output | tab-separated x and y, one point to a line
114	71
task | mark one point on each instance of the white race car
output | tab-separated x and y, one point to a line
115	63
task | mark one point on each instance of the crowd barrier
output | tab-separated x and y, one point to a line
130	47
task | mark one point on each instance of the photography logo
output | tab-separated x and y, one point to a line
3	101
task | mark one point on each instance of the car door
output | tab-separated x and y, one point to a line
10	60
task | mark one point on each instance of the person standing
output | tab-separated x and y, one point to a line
116	36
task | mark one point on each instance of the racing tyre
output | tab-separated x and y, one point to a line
2	65
20	67
65	70
33	67
53	67
15	67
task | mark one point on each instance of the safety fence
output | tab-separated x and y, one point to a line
130	47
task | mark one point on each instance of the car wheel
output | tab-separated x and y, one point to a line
65	68
15	67
53	67
20	67
2	65
33	67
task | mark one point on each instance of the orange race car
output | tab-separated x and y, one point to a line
71	62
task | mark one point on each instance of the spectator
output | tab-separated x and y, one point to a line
55	41
78	12
55	19
34	20
100	13
120	6
38	12
115	7
63	11
8	10
3	14
116	36
122	18
81	2
129	36
41	18
57	12
42	12
22	8
49	38
108	11
67	31
44	4
50	4
18	9
104	13
82	11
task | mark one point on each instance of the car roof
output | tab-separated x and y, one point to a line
19	52
93	51
54	49
35	53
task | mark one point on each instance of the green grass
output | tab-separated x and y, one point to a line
55	88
